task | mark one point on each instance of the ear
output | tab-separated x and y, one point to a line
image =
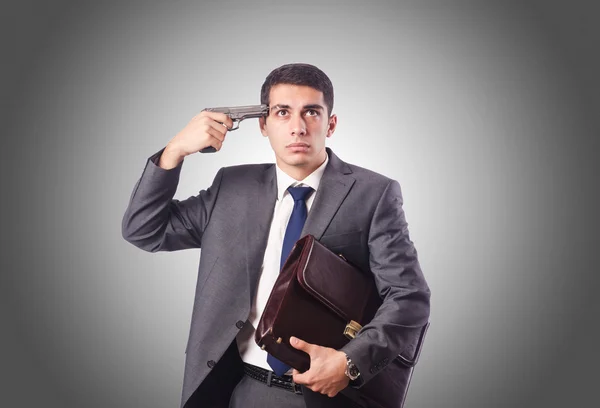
263	126
332	125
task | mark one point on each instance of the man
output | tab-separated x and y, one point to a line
241	223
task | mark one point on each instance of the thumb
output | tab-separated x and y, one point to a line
301	345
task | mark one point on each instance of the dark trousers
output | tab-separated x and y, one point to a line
251	393
227	384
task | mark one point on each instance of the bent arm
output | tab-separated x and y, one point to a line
397	325
154	221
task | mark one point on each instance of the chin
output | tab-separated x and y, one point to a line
297	159
298	162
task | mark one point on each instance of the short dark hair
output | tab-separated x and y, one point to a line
299	74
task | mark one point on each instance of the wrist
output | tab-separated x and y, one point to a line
170	157
351	371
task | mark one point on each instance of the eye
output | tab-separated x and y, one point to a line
281	112
312	112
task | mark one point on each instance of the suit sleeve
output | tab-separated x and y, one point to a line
154	221
397	325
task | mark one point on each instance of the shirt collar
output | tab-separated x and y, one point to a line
312	180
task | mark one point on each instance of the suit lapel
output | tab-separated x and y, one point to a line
259	214
333	189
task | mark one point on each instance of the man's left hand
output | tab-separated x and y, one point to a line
327	368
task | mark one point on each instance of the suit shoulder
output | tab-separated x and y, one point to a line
242	171
362	174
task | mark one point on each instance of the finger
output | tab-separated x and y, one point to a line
216	133
218	117
302	345
222	123
216	143
301	378
218	126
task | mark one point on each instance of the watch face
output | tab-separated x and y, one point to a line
353	371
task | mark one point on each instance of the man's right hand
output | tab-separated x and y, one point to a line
204	130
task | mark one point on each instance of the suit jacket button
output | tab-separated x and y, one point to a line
210	364
239	324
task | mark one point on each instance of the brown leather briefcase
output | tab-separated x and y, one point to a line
318	297
321	298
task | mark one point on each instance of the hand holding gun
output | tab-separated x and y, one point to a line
237	114
206	132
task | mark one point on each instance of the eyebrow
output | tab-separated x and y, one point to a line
310	106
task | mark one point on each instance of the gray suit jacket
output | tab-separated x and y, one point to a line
356	212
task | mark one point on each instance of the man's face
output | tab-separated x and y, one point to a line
297	126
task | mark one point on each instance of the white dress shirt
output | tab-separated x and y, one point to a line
249	351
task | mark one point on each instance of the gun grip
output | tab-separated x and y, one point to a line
208	149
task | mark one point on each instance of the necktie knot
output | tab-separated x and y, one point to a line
299	193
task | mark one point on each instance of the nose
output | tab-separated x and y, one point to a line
298	126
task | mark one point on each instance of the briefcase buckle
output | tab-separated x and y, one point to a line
351	329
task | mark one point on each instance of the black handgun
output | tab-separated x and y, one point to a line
237	114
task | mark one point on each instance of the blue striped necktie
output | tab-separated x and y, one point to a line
292	234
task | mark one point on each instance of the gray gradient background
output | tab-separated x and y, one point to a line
485	112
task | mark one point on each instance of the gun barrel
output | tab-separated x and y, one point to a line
242	112
239	113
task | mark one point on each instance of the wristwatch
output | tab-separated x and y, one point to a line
351	369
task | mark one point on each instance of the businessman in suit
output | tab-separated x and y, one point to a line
242	223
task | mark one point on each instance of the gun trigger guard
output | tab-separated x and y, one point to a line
236	125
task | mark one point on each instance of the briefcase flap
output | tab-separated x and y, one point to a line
341	287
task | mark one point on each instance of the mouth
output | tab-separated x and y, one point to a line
297	148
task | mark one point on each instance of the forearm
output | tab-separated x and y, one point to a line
397	325
154	221
393	331
147	212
